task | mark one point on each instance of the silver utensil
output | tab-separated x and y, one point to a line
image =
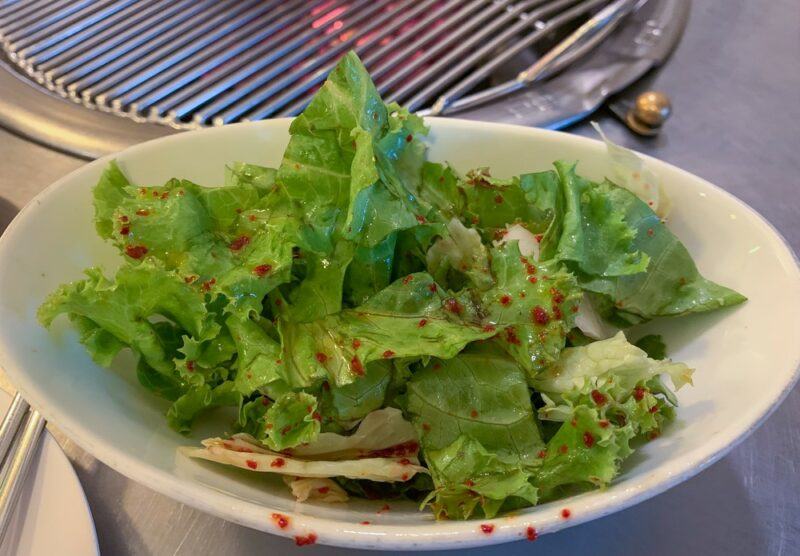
23	424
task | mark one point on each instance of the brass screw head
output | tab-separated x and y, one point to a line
649	112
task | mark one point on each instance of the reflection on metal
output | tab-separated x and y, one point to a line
192	63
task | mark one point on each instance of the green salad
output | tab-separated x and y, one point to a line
385	326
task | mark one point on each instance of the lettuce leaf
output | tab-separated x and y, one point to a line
412	317
531	305
468	478
483	395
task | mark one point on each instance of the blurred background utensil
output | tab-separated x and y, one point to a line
19	441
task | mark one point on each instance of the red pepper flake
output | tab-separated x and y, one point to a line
530	269
252	464
262	270
505	300
511	336
397	451
316	416
135	251
125	230
278	302
498	199
404	477
563	449
453	306
542	454
638	393
190	366
155	194
321	357
473	413
474	220
356	343
650	232
388	354
598	397
206	286
142	212
437	366
422	322
487	528
426	427
532	279
384	508
190	279
574	308
433	287
531	534
278	361
365	523
409	138
265	401
573	422
285	430
164	195
356	366
653	409
251	217
540	315
538	238
565	513
489	328
277	463
588	439
421	219
404	461
309	539
238	243
603	424
469	483
280	520
123	218
557	314
408	278
558	297
653	435
142	191
180	193
324	490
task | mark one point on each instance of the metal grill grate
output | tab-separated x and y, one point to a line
190	63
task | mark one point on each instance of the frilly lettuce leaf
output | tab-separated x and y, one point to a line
412	317
121	308
595	235
671	286
585	451
531	305
467	478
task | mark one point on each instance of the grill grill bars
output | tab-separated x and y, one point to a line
190	63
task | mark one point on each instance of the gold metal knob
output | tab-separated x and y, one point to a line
649	113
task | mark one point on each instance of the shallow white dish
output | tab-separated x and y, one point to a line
51	516
746	358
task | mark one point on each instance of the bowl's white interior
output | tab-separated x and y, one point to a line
746	357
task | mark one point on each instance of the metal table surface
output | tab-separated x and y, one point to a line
735	85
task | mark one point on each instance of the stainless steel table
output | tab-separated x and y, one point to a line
735	85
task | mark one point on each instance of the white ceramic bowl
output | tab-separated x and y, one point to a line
746	358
